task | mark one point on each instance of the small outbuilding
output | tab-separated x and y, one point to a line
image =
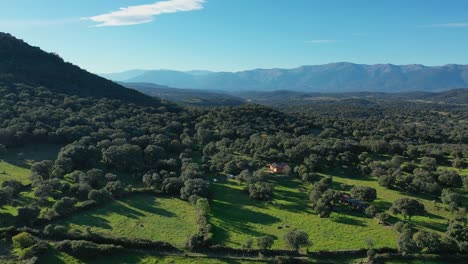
280	168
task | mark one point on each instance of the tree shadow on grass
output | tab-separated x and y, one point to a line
296	200
230	215
148	204
382	205
90	220
23	157
347	220
441	227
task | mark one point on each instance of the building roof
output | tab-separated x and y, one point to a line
278	165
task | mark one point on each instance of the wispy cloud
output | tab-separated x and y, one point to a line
448	25
134	15
320	41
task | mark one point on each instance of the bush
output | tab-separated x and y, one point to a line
364	193
86	249
64	206
100	196
371	211
296	239
23	240
261	191
198	187
407	207
428	242
55	231
265	242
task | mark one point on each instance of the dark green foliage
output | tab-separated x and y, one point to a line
172	185
197	187
364	193
261	191
85	249
32	66
100	196
371	211
428	242
6	194
64	206
451	198
125	157
15	186
296	239
23	240
116	188
405	242
458	231
407	207
265	242
449	178
3	150
28	214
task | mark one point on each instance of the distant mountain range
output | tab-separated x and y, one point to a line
285	97
334	77
22	63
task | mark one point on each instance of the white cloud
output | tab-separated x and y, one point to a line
320	41
452	25
141	14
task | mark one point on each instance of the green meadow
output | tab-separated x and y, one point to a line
140	216
236	218
16	163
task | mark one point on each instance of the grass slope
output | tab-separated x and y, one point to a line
16	163
140	216
56	257
435	219
236	218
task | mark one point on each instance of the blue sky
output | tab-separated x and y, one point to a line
232	35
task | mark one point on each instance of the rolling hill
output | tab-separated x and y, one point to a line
334	77
187	96
30	65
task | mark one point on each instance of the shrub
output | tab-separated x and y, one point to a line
407	207
86	249
23	240
100	196
261	191
296	239
64	206
265	242
364	193
371	211
428	242
191	187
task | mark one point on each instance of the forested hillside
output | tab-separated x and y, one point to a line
32	66
90	178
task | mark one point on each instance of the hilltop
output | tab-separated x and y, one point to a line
30	65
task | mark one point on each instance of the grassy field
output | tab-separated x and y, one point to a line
236	218
55	257
16	163
140	216
435	219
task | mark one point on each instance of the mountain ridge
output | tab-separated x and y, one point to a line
332	77
32	66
